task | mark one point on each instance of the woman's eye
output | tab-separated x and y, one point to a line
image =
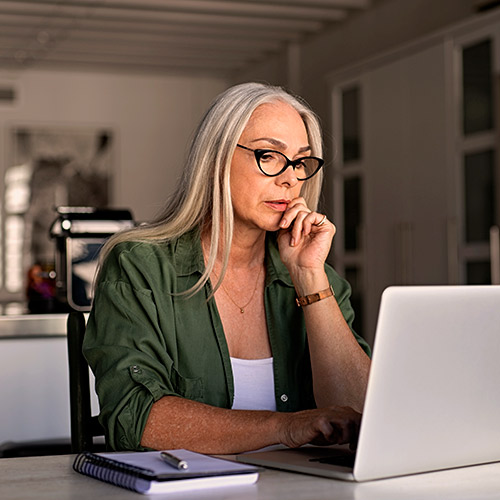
268	157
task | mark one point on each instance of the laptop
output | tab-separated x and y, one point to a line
433	397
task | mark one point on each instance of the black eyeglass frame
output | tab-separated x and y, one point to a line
258	153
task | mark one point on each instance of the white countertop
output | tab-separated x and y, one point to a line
53	478
33	325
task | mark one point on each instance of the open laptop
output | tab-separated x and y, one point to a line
433	398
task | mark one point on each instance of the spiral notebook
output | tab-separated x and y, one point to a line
146	472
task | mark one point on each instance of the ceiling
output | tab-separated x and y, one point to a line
217	37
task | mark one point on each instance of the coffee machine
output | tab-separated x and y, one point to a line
79	234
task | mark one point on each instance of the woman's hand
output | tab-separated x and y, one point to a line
305	237
325	426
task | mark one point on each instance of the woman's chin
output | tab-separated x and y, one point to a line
271	225
268	224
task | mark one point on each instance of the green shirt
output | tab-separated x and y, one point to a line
146	340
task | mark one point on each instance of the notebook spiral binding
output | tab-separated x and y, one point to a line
108	470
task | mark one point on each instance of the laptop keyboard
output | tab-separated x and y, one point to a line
342	458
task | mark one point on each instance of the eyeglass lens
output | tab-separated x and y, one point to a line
274	162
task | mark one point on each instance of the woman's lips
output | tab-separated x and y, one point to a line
278	205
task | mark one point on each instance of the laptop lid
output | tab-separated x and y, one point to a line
433	393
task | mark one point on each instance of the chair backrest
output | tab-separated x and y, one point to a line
84	426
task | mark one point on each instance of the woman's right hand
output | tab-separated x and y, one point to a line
175	422
323	426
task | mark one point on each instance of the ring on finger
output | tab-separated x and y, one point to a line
322	221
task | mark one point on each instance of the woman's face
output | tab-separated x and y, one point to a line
258	200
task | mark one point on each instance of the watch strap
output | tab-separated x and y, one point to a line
315	297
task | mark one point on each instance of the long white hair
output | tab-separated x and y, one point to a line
203	196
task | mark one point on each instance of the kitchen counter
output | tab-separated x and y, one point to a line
33	325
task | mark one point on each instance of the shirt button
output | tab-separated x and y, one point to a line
136	369
284	398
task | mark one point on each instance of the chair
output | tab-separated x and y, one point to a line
84	426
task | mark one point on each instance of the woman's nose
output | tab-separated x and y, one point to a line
288	177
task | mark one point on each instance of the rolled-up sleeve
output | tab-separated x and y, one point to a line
128	352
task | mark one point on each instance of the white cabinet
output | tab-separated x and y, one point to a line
34	388
406	176
424	180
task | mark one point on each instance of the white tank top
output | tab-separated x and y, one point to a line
253	384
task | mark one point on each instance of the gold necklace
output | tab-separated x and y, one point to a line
242	308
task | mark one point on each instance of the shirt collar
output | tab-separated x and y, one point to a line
188	258
276	270
188	255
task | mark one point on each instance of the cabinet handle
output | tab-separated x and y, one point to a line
495	255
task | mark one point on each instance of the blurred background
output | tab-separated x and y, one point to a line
98	100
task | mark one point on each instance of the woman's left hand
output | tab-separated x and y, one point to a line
305	237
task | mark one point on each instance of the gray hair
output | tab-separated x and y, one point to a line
203	196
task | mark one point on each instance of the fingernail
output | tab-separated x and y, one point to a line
292	242
283	223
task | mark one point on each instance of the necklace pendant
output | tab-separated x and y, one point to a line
242	310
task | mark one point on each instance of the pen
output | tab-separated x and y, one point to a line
173	461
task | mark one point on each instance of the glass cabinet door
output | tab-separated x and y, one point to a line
349	197
479	163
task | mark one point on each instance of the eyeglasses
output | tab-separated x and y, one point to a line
273	163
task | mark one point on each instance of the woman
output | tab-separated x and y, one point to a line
195	337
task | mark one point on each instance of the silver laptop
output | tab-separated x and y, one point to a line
433	399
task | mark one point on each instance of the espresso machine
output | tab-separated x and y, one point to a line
79	234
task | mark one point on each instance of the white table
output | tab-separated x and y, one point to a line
52	478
